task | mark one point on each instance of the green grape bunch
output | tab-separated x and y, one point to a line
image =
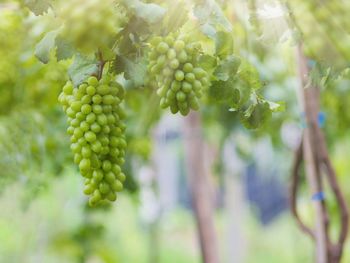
91	23
97	134
174	65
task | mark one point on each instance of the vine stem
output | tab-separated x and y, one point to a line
310	103
314	153
298	158
101	64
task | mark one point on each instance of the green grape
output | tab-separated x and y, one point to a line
95	127
109	177
111	196
78	133
80	116
90	90
76	106
96	147
97	135
90	136
121	177
73	139
186	87
162	47
188	67
84	164
97	109
174	66
101	119
90	118
70	130
97	99
86	109
74	122
86	152
84	126
86	99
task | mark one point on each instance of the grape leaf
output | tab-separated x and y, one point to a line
208	30
209	12
249	75
45	45
256	114
176	16
235	100
277	106
319	74
207	62
219	16
223	44
227	67
221	91
38	7
134	71
64	50
244	93
149	12
82	68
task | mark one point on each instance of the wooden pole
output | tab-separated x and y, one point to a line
309	99
317	162
200	187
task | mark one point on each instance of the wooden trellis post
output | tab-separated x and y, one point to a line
313	151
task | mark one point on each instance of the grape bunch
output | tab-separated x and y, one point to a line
97	134
91	24
174	65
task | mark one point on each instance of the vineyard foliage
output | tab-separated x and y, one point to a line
168	56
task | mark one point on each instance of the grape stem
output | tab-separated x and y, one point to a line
101	64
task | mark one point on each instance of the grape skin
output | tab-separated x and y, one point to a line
173	63
97	135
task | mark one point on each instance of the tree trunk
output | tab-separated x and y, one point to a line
200	187
309	99
235	239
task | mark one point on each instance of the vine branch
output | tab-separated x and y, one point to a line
317	159
101	64
298	158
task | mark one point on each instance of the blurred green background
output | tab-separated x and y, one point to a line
43	213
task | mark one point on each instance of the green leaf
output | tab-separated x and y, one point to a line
249	76
82	68
208	30
45	45
219	16
207	62
227	68
223	44
149	12
244	93
210	15
256	115
319	74
222	91
176	16
38	7
277	106
64	49
235	100
202	12
134	71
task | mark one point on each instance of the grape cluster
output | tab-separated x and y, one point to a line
91	24
97	134
174	65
